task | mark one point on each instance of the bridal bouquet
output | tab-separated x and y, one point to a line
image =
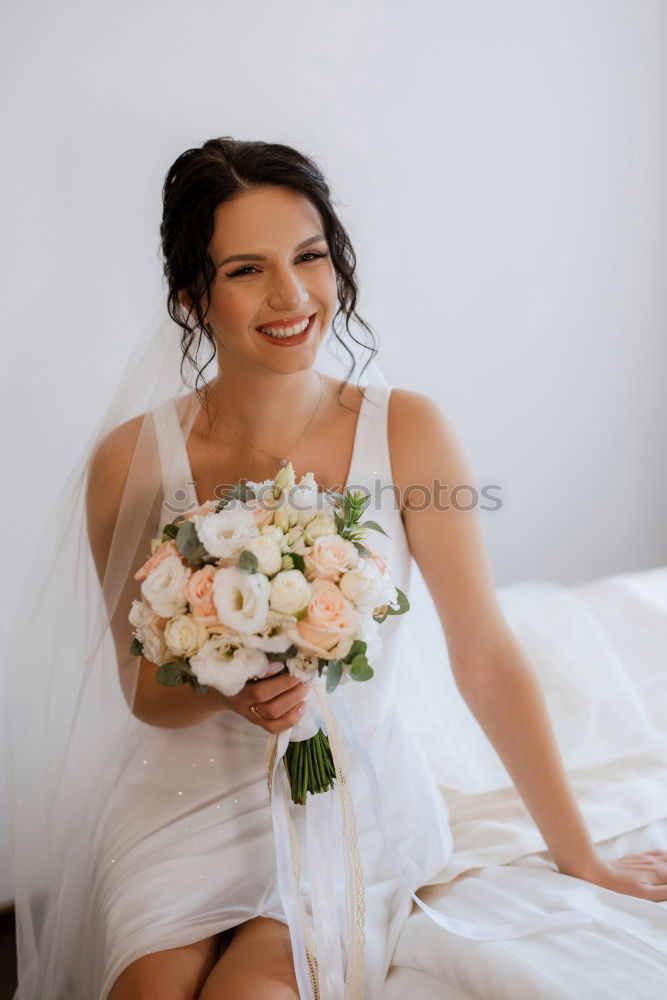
273	571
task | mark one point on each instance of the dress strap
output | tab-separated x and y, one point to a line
178	489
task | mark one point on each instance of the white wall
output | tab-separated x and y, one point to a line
500	167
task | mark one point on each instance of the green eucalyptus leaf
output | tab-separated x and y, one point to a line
374	525
187	541
360	669
356	649
334	674
136	647
361	549
297	559
403	604
170	674
248	561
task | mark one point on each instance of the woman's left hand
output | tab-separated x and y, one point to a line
643	875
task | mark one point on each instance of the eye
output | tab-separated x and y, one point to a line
249	267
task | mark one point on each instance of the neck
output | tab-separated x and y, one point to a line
271	409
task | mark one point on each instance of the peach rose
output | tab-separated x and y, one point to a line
330	557
198	594
262	508
204	508
329	618
166	549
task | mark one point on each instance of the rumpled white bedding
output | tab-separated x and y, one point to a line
501	871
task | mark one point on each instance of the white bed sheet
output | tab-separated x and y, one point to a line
501	871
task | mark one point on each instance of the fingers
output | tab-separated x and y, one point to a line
281	712
269	687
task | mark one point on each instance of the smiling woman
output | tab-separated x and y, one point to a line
152	856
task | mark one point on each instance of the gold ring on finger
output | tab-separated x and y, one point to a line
253	708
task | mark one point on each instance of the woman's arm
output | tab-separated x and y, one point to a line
490	669
150	701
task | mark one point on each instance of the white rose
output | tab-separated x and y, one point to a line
319	525
226	533
225	666
268	553
303	665
163	587
354	583
184	635
289	592
380	590
241	599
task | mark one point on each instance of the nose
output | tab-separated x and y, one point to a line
287	291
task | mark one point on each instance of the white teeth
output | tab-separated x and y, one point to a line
287	331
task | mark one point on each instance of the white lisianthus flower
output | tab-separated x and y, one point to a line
301	503
268	643
226	533
163	588
265	488
241	599
184	635
284	516
294	541
318	526
268	554
303	666
285	478
289	592
226	666
307	500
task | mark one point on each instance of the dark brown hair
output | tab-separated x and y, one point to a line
204	177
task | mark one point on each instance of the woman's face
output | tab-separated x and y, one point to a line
294	279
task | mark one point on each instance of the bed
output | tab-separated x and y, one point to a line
611	722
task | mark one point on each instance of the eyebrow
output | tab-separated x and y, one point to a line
256	256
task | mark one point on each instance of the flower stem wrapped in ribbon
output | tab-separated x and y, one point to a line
273	571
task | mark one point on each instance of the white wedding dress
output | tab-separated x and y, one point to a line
187	849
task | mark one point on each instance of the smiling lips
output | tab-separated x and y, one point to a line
288	331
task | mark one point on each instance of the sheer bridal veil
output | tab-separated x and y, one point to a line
70	680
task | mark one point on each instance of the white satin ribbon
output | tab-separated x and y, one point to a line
320	847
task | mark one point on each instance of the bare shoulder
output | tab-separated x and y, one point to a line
422	441
444	532
108	470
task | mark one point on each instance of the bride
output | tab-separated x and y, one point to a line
169	889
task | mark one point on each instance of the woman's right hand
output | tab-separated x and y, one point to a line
278	700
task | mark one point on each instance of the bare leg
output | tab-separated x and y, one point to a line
257	964
172	974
